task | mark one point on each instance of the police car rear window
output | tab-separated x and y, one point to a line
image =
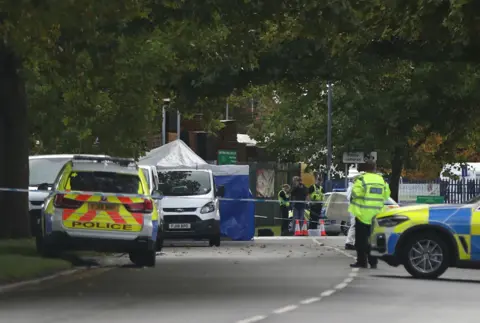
105	182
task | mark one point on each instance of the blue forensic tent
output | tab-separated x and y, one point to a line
237	218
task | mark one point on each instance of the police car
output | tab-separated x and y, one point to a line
428	239
101	204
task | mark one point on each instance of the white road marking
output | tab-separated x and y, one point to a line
285	309
327	293
307	301
253	319
341	285
310	300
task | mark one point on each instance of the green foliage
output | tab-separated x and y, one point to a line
396	103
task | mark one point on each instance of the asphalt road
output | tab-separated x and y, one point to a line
261	281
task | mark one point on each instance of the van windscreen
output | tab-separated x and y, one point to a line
184	183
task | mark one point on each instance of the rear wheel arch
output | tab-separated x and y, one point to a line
442	232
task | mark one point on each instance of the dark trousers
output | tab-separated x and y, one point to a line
315	211
284	216
362	233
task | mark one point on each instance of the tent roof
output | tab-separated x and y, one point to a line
173	154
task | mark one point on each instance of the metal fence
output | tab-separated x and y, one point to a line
453	191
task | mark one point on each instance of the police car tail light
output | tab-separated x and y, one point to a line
145	207
65	203
391	221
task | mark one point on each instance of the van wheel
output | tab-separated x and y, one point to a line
425	256
215	241
146	258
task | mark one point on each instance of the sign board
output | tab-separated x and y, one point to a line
227	157
430	199
359	157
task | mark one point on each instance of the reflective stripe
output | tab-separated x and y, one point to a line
103	219
362	206
370	199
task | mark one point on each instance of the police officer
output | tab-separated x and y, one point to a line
284	200
369	193
316	195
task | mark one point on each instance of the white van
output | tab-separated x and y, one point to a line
190	205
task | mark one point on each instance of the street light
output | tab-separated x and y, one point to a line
166	102
329	139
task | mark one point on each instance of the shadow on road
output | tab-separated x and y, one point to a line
450	280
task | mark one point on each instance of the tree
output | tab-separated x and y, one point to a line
31	44
91	71
393	109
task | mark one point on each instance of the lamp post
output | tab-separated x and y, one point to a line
166	102
329	139
178	125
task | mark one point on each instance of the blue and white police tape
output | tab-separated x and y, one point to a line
155	197
271	200
21	190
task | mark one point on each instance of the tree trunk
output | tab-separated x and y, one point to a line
397	167
14	169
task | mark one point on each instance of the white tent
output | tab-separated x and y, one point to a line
174	154
177	154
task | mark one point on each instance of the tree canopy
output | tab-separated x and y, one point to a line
403	71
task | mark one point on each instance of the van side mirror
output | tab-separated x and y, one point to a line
43	187
220	191
156	194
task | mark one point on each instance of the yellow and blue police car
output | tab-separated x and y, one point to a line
428	239
101	204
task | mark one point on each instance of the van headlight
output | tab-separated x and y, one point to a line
208	208
391	221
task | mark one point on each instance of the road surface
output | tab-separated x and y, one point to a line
263	281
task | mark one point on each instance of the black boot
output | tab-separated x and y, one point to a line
357	265
349	246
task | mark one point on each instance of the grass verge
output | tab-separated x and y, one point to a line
275	228
20	261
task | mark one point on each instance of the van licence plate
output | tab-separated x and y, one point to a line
179	226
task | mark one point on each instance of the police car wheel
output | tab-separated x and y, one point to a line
425	256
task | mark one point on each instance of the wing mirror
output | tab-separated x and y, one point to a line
43	187
156	194
220	191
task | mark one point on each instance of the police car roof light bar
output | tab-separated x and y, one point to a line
118	160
